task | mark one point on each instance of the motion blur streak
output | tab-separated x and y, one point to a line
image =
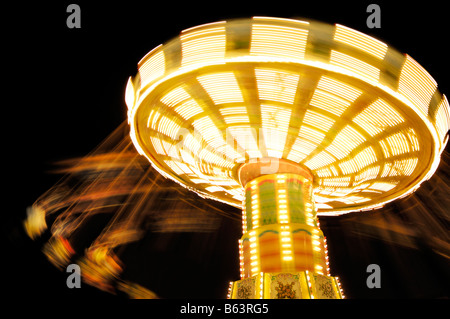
106	200
418	220
128	199
395	235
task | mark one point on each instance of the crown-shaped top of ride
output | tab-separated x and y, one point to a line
367	121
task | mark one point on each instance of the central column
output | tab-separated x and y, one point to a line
282	250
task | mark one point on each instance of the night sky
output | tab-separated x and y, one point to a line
67	94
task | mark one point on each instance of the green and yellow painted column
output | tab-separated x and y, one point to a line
283	253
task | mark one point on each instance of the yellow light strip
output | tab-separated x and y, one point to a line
310	213
280	41
195	30
398	144
214	188
170	149
329	102
378	116
282	207
405	167
229	152
416	84
300	149
130	93
382	186
261	285
168	127
348	167
236	119
367	174
324	172
323	206
334	170
287	254
353	64
203	46
245	137
298	23
318	269
235	115
199	181
275	85
233	110
254	253
355	199
340	288
215	159
316	243
175	96
222	87
275	122
338	88
336	181
178	168
308	279
443	117
346	140
360	41
320	160
366	157
412	137
192	143
327	262
311	134
153	67
388	170
275	141
153	118
209	131
276	117
230	287
341	193
312	118
244	218
188	109
156	142
255	207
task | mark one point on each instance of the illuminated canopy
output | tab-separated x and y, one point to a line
368	122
